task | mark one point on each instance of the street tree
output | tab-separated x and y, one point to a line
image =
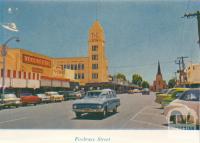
137	79
145	84
172	83
121	76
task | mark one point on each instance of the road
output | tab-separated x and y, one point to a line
135	112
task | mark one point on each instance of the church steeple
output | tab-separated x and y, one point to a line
159	70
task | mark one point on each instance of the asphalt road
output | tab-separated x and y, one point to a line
135	112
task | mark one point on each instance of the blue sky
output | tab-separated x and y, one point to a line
138	33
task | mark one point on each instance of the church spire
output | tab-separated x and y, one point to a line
159	70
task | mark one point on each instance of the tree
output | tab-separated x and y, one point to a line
145	84
121	76
172	83
137	79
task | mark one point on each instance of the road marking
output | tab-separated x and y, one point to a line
13	120
140	111
133	117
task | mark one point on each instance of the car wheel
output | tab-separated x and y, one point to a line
104	113
78	115
115	110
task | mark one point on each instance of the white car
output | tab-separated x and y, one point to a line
44	98
54	96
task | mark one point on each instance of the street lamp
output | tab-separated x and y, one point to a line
4	53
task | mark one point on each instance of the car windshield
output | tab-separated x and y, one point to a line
9	96
94	94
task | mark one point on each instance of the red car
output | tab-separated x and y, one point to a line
28	98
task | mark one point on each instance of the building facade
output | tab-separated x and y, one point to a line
26	66
159	83
94	67
193	73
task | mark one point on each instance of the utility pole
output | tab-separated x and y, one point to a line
182	74
197	14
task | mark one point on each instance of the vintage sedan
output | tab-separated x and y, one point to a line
29	98
185	108
170	92
166	100
55	96
10	99
98	102
44	98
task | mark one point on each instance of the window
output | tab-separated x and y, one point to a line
33	75
1	72
29	75
75	67
94	66
79	76
8	74
94	76
38	76
79	66
94	48
14	74
83	76
82	67
72	67
24	74
68	66
94	57
64	66
20	74
75	76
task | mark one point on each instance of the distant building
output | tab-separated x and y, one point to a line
193	73
159	83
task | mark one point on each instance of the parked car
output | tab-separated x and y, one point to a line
29	98
97	102
145	91
1	106
68	95
10	99
166	100
44	98
160	97
186	106
55	96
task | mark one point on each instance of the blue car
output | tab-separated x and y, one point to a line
97	102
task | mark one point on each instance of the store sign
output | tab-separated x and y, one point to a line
36	61
37	70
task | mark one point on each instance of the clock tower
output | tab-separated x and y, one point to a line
98	65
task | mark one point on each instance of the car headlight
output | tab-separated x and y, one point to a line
74	106
99	106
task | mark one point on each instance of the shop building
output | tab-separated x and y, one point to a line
26	69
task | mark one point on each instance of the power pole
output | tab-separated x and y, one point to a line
197	14
182	74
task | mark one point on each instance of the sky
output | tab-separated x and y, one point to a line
138	33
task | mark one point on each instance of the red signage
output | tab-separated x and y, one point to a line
36	61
